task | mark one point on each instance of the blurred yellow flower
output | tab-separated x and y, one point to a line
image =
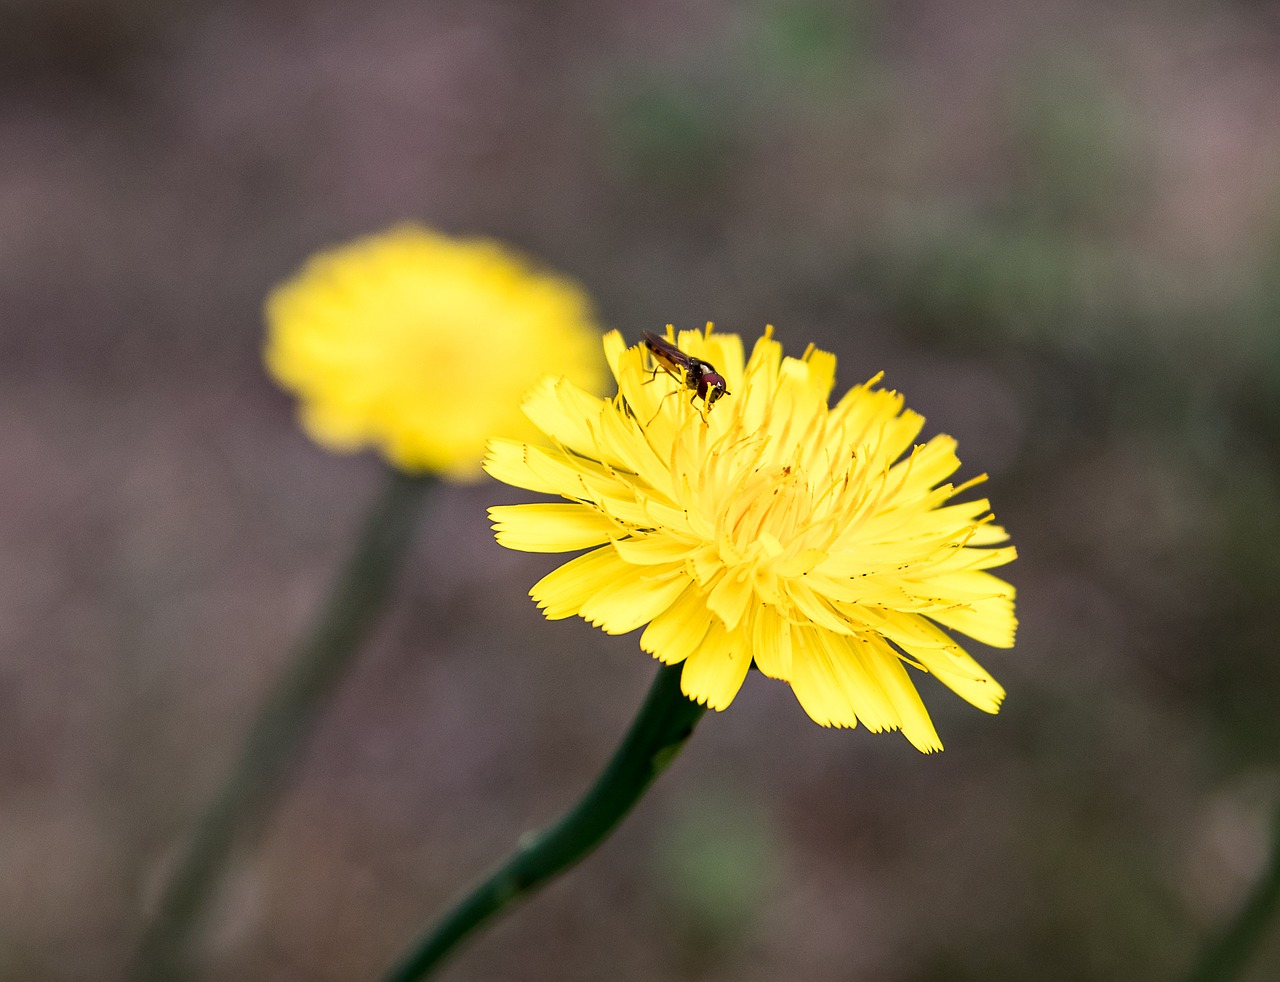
780	530
423	345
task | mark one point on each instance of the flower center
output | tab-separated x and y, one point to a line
769	529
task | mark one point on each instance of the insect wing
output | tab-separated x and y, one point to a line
666	354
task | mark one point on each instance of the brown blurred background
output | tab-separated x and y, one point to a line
1056	226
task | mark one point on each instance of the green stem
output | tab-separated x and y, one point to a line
664	723
272	746
1228	954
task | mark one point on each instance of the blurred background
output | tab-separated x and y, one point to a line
1055	226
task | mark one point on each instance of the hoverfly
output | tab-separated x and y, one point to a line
693	373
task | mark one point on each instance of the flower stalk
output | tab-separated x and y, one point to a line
665	721
277	737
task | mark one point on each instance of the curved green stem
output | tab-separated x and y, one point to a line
664	723
1227	955
314	671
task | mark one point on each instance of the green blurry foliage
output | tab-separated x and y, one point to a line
986	282
715	864
813	43
1239	675
677	128
669	135
1045	260
1076	146
1260	398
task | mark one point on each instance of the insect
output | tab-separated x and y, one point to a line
693	373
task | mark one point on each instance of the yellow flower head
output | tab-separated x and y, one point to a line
778	529
422	345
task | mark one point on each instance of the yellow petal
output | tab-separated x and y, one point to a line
563	591
929	465
632	599
508	461
988	533
731	595
565	413
714	671
936	652
754	403
677	632
614	346
815	607
822	371
990	621
883	591
971	560
873	419
900	627
857	686
981	606
771	643
630	451
883	663
842	681
556	527
957	670
816	685
559	472
650	550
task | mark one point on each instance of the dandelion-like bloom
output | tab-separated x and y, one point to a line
423	345
810	539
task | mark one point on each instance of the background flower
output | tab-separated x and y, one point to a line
779	530
423	345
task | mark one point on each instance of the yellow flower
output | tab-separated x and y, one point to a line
779	530
423	345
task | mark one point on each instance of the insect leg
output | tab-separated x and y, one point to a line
701	412
659	409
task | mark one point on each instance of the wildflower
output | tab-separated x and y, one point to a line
422	345
779	531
